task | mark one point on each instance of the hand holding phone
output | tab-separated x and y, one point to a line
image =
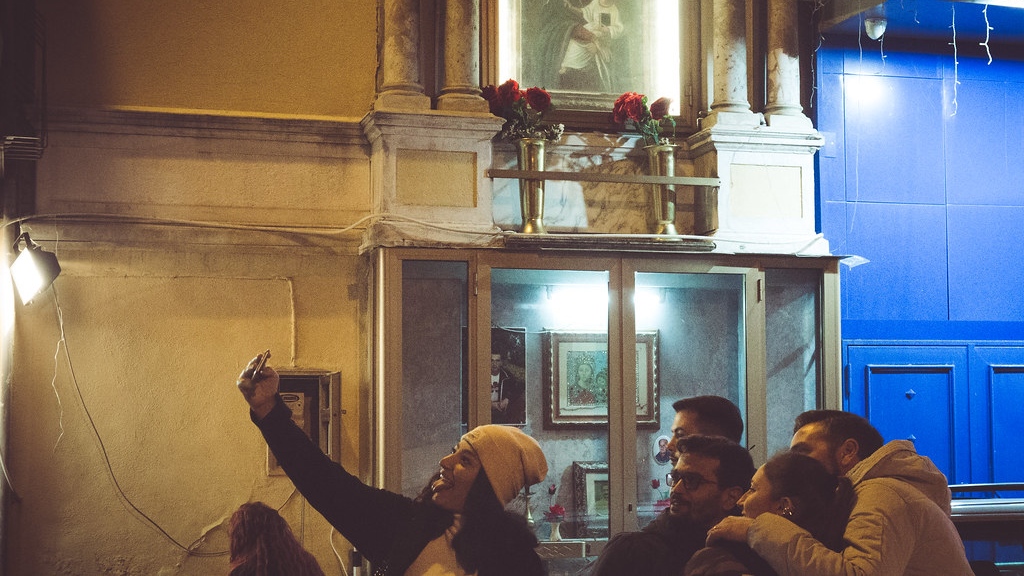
261	361
259	390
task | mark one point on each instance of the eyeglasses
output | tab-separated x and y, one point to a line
691	480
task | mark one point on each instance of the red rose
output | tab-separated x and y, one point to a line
630	105
552	489
557	510
655	483
660	108
509	92
619	108
538	99
635	107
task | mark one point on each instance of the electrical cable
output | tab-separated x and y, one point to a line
7	478
103	448
330	540
310	230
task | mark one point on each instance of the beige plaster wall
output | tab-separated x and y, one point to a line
306	57
148	344
177	130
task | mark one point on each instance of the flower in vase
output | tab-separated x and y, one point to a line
523	111
656	485
632	108
556	513
662	501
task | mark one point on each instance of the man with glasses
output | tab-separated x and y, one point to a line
710	475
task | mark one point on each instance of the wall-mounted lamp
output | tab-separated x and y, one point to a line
34	269
875	27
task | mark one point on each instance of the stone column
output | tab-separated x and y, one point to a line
783	108
461	81
730	57
400	58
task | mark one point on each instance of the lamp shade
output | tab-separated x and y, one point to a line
33	270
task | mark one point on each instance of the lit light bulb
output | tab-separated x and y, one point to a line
875	27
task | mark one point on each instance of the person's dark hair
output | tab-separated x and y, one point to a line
489	533
735	466
717	415
821	501
262	544
838	426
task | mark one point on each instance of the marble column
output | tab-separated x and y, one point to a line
783	108
461	76
729	51
400	58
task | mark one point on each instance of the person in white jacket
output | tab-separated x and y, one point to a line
900	519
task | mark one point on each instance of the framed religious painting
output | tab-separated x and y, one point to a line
586	53
576	379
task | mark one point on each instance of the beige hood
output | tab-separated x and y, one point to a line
899	459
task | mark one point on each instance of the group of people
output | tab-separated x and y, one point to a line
839	501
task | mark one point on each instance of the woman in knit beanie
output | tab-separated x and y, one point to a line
457	526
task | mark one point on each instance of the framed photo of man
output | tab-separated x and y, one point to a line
508	376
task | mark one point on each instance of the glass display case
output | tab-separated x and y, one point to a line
586	351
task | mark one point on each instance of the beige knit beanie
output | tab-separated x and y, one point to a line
511	458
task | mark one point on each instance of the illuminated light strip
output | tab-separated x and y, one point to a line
988	30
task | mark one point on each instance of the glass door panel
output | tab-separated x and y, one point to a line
434	337
690	340
793	348
550	377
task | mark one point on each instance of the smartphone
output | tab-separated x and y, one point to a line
261	361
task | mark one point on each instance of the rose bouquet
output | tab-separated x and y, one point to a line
523	111
647	119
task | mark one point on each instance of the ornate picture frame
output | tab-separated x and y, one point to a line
586	53
576	380
590	499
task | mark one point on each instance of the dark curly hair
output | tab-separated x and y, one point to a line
262	544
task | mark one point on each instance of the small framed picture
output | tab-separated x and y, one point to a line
508	376
662	455
576	380
590	498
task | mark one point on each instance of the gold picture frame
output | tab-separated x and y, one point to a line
576	380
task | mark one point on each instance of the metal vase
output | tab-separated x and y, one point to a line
531	191
662	161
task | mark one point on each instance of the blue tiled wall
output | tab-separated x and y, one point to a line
922	175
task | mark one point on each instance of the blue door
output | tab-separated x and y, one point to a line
916	393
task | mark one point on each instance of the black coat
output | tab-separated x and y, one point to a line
662	547
389	529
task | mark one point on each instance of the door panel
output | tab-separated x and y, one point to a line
997	385
916	393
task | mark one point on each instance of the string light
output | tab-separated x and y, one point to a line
956	63
988	30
